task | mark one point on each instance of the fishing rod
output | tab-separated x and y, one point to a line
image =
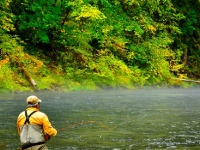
86	122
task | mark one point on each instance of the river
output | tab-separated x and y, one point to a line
111	119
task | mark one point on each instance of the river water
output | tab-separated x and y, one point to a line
111	119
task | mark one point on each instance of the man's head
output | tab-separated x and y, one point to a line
33	101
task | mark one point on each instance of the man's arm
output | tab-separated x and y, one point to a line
48	129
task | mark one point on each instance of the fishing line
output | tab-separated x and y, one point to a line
86	122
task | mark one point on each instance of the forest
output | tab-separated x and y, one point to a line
65	45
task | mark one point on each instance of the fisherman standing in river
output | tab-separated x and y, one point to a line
34	127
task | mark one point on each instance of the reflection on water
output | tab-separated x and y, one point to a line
112	120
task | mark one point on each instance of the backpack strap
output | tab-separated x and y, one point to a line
28	116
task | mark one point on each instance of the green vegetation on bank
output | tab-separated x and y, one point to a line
91	44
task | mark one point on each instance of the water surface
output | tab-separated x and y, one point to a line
111	119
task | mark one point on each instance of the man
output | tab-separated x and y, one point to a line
34	127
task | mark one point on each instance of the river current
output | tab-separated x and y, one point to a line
111	119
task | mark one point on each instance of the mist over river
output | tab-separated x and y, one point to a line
111	119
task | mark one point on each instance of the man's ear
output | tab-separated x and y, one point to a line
37	106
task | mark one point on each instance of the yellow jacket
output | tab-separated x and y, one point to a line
37	118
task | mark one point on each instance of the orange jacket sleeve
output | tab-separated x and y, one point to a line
48	129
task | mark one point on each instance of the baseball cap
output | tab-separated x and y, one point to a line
33	100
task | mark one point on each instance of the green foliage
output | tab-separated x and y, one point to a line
190	21
85	44
6	78
107	71
188	43
38	19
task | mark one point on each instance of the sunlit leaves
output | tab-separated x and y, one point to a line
134	27
6	17
87	11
